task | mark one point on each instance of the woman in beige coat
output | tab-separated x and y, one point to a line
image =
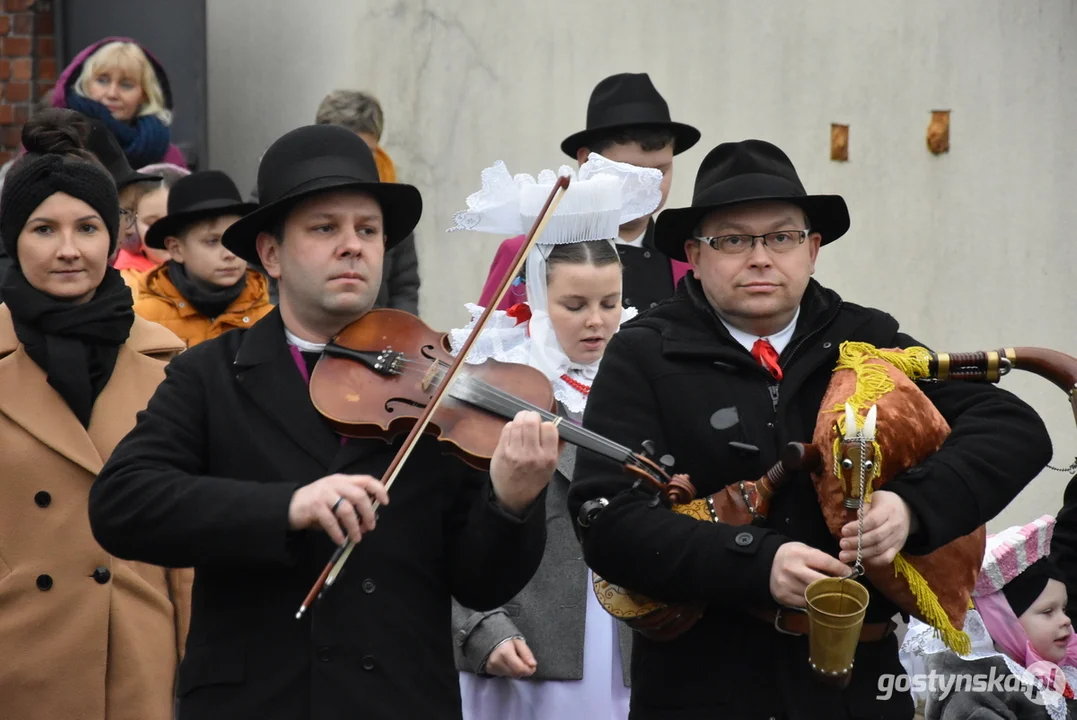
82	635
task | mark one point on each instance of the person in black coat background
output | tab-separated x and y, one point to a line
232	471
1064	542
722	376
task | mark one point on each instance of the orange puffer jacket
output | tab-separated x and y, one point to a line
159	301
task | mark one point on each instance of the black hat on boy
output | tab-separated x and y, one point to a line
195	197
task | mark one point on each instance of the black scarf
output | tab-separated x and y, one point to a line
75	344
208	300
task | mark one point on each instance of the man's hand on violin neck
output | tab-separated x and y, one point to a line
341	505
524	461
795	567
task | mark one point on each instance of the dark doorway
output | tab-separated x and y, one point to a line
174	31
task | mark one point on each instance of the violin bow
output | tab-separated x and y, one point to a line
343	552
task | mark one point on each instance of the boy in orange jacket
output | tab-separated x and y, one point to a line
204	290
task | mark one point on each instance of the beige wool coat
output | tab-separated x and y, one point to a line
83	635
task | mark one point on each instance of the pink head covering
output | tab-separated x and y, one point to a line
1009	553
1005	629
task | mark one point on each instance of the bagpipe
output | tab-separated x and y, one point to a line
874	423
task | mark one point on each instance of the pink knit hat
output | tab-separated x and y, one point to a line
1011	551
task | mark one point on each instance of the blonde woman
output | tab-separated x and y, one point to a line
119	82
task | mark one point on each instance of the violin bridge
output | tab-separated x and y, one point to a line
431	376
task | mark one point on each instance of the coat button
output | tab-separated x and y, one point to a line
368	662
101	575
647	253
324	654
628	302
246	319
44	582
368	586
827	344
744	539
183	305
654	304
42	499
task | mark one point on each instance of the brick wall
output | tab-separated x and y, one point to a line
27	50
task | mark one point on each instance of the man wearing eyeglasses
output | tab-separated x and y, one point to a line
721	377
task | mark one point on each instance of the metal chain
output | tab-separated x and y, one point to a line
1071	468
858	568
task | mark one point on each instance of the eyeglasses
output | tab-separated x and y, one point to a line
127	218
781	241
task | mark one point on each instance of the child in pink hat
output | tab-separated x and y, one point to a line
1019	628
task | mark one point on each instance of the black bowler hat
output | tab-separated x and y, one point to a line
628	100
101	142
314	159
195	197
748	171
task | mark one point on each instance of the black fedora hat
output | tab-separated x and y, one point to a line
101	142
195	197
628	100
748	171
319	158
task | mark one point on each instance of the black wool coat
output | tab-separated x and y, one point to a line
675	376
205	480
1064	542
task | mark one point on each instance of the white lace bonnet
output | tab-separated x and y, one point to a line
600	198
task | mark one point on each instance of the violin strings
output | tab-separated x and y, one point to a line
507	404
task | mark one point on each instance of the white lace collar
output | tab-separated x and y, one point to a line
922	639
506	340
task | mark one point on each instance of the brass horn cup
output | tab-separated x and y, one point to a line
836	608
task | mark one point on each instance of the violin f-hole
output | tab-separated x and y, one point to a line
401	401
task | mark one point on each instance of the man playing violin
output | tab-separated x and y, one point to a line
231	470
723	376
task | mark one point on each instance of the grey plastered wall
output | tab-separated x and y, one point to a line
973	249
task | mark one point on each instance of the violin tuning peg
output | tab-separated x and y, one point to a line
649	448
667	462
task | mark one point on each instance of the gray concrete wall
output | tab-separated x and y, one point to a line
973	249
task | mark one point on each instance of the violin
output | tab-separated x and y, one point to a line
378	375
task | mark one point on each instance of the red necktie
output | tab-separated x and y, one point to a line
767	356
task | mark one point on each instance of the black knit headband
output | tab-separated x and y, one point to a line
45	175
1027	587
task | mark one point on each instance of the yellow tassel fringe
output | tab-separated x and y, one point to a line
930	609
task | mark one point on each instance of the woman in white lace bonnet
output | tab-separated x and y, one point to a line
552	652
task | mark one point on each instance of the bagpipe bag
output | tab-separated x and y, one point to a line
935	588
